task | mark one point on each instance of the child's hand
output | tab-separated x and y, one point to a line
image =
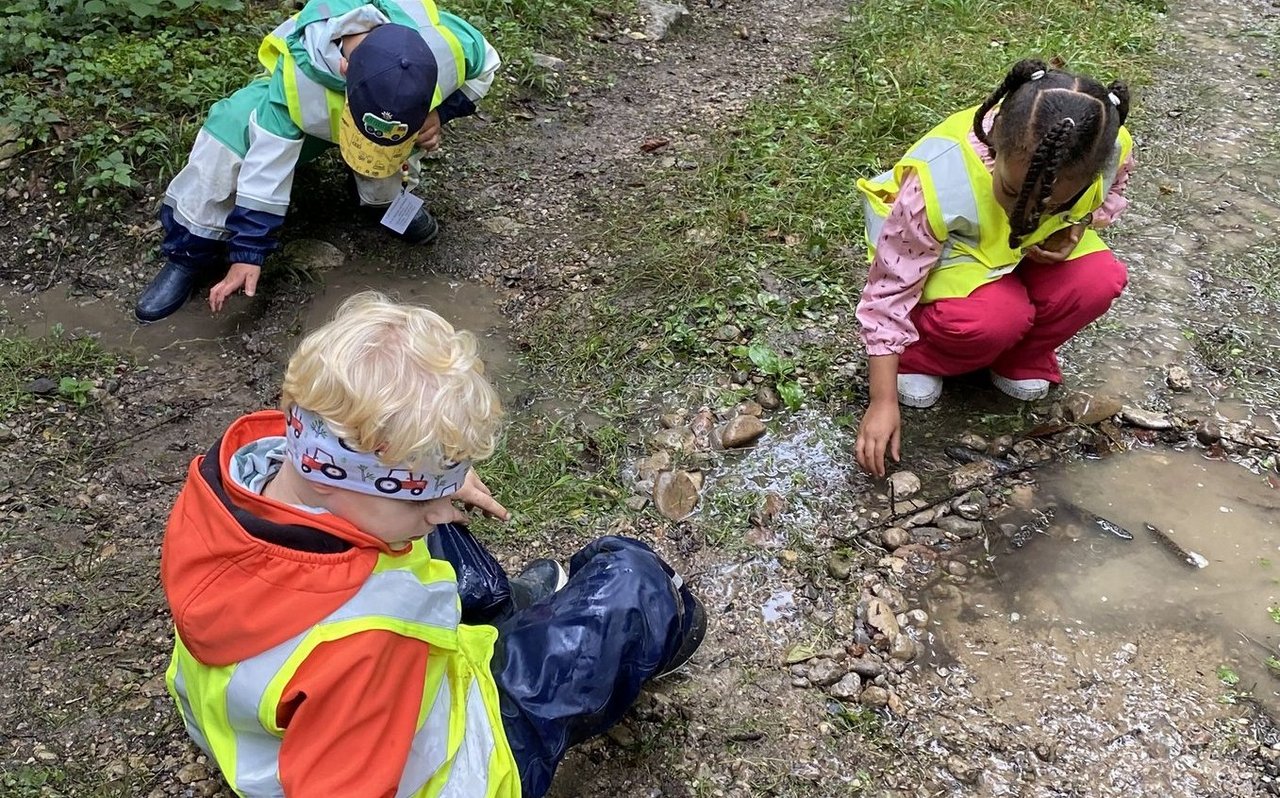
240	275
474	494
429	136
1059	246
880	431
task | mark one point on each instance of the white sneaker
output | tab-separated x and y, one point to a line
1026	390
919	390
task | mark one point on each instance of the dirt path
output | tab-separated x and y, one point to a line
85	635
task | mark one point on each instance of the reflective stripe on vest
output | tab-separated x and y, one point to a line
230	711
317	110
963	213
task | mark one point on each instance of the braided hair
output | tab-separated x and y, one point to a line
1065	124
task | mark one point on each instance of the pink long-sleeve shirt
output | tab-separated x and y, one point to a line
907	250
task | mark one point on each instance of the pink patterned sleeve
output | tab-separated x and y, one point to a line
1115	203
905	252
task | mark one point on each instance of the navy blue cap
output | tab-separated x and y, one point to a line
391	81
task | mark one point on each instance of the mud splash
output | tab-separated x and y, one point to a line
1113	662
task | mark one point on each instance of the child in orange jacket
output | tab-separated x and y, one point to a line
322	650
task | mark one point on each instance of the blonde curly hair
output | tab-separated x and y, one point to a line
397	380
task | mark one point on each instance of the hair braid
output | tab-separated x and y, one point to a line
1042	171
1021	73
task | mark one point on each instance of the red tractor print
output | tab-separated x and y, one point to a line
392	483
319	460
295	422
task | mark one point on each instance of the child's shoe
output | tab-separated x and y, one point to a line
539	579
169	290
919	390
423	229
1026	390
693	622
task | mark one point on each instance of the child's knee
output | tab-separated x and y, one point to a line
1093	286
988	328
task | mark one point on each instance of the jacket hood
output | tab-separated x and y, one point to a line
243	573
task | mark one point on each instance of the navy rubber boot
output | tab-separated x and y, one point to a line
169	290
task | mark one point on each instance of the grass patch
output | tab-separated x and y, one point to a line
71	363
108	94
768	236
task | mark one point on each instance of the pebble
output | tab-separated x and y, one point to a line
192	772
927	535
676	439
971	475
6	434
902	648
637	502
895	538
43	754
1001	446
670	420
825	672
962	528
921	518
839	567
964	772
749	407
1146	419
875	697
905	484
550	63
648	468
881	617
768	398
662	17
973	442
727	332
893	597
917	618
849	688
740	431
1208	433
675	494
1178	379
868	666
957	568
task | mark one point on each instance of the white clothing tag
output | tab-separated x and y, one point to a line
402	211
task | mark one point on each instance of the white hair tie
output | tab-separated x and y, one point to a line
1114	99
1039	73
1069	121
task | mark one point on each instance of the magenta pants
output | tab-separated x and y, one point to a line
1015	325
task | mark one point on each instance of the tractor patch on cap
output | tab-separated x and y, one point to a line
388	129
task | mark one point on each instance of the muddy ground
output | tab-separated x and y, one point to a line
1075	663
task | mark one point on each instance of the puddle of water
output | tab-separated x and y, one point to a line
1111	649
468	305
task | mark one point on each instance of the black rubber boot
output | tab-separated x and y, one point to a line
693	622
169	290
541	578
422	230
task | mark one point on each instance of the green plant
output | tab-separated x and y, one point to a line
779	369
1228	676
76	390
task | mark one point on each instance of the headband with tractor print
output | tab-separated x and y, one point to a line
323	457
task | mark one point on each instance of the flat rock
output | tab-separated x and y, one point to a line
675	439
662	17
675	494
959	526
314	255
740	431
905	484
1146	419
1084	408
41	386
971	475
849	688
546	62
927	535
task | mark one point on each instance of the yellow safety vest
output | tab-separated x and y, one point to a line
317	109
963	212
459	748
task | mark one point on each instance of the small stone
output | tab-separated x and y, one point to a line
881	618
547	62
962	528
839	567
964	772
917	618
43	754
41	386
1087	409
740	431
501	226
768	398
1178	379
849	688
927	535
973	442
922	518
662	17
1146	419
675	439
1001	446
905	484
971	512
957	568
971	475
1045	752
637	502
675	494
825	672
623	736
893	597
6	434
671	420
749	407
1208	433
726	333
647	468
868	667
874	697
895	538
192	772
1023	497
902	648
